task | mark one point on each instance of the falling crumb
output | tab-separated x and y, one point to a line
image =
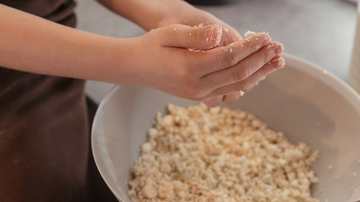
330	167
354	174
325	72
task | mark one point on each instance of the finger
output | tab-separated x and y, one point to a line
202	38
230	35
232	98
223	57
276	63
245	68
214	101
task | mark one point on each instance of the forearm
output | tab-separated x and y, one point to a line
32	44
149	14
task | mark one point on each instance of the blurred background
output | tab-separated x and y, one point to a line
320	31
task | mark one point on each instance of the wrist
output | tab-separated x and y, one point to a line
117	61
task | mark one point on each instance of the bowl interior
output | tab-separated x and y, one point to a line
301	100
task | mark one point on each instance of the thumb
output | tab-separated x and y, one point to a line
201	38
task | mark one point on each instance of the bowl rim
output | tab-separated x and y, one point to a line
295	62
325	76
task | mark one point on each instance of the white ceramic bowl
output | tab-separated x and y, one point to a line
305	102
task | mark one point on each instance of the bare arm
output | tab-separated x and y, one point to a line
30	43
150	14
159	59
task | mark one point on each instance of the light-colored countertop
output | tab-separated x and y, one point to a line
320	31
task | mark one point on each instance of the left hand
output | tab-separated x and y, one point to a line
196	17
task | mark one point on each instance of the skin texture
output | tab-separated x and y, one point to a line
209	62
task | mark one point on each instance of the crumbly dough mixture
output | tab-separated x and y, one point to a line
198	154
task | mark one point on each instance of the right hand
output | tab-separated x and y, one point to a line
166	63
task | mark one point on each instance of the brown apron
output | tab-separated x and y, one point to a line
45	150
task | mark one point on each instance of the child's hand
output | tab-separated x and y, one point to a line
195	17
166	63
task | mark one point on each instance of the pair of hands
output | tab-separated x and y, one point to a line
218	67
210	63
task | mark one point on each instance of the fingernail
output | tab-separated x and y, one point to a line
278	48
213	34
278	62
